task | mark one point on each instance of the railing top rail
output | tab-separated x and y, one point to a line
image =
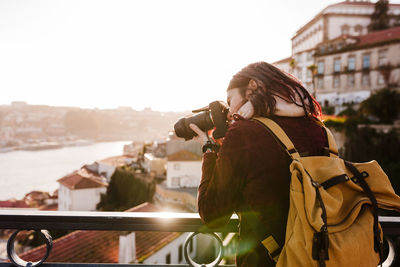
121	221
124	221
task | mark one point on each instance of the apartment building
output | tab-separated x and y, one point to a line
346	18
349	68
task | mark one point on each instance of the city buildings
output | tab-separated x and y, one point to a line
183	169
183	173
341	24
80	190
117	247
349	68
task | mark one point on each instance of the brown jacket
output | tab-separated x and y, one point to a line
251	171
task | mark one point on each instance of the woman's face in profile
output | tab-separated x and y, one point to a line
235	101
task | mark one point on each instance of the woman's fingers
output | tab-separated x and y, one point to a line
247	110
202	135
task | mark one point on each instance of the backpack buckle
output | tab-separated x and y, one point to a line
360	177
315	184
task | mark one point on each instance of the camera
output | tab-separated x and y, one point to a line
213	115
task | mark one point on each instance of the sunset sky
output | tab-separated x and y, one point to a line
168	55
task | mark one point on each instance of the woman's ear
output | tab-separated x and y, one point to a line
251	88
252	84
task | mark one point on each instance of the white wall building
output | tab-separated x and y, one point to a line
80	191
154	164
354	67
153	247
343	18
183	169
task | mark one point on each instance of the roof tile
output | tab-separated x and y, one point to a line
102	246
184	155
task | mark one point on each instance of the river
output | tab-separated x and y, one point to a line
24	171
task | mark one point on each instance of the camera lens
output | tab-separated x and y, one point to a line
202	120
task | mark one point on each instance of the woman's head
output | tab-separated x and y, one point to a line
262	84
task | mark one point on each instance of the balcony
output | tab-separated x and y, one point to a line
146	221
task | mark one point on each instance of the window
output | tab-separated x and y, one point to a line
180	254
320	83
309	74
336	81
351	63
168	258
309	56
350	80
299	58
300	74
177	166
345	29
358	29
336	65
365	80
366	61
381	79
382	59
320	69
175	181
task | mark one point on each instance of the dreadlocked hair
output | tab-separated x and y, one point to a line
271	83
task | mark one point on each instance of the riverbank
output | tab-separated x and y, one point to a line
23	171
36	146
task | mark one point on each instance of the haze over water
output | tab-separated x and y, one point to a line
25	171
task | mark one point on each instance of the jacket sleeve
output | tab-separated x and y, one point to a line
223	174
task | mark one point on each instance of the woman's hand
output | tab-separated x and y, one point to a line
246	110
201	136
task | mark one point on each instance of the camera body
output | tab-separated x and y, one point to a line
214	115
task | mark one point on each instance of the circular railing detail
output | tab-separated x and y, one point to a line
391	257
14	258
191	262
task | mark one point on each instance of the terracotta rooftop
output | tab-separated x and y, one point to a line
379	36
13	203
184	155
81	179
115	161
53	207
102	246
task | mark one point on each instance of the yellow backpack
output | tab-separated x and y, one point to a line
333	214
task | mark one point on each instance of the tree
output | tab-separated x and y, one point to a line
126	191
380	18
384	105
293	64
365	143
313	68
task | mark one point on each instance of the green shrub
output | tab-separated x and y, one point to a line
126	191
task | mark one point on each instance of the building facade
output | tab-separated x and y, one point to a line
183	169
347	18
80	191
349	68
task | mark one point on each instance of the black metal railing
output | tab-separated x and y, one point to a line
147	221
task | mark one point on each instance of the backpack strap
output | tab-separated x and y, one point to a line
279	135
333	150
264	236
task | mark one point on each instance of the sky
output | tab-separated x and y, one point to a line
174	55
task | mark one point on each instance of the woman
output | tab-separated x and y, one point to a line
249	174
